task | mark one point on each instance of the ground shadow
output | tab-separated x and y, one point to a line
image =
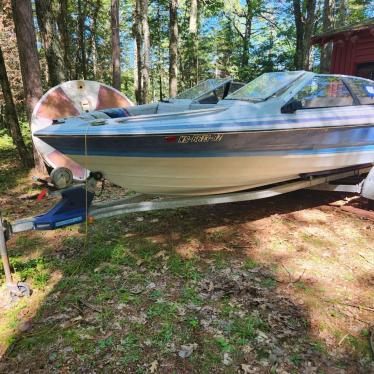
145	285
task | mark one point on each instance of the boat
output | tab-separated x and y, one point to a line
279	127
91	100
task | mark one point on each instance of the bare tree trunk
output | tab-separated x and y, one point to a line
136	71
327	23
63	27
304	19
93	29
146	50
51	44
193	28
173	50
28	55
82	43
116	52
11	117
247	34
193	17
137	32
93	49
160	87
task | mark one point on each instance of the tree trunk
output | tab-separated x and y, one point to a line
82	43
11	117
93	38
193	17
93	48
63	27
146	50
136	71
247	34
137	32
116	52
30	69
51	43
160	87
28	54
193	40
327	23
304	20
173	49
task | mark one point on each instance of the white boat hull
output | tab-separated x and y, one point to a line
213	175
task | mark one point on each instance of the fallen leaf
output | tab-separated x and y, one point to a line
153	367
245	368
160	254
186	350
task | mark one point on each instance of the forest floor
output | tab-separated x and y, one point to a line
282	285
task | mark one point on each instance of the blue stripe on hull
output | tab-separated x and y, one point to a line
226	154
277	142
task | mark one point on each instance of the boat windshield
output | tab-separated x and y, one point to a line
202	88
265	85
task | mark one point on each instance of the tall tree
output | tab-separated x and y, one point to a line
63	28
28	55
116	52
137	32
51	42
247	33
146	50
11	116
173	49
93	39
327	24
194	40
81	38
143	49
246	14
305	14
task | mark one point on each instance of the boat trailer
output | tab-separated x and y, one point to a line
76	206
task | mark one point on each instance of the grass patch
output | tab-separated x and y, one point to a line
164	310
11	172
190	295
243	330
268	282
183	268
250	264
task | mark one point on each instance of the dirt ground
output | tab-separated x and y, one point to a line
281	285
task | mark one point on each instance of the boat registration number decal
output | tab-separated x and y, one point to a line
200	138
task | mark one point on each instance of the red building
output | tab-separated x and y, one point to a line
353	49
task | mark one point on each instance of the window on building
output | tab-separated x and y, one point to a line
324	91
363	89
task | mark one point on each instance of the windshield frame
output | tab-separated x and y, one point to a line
213	87
294	76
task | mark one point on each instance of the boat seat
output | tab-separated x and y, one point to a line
116	112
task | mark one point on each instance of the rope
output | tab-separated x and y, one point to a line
86	187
